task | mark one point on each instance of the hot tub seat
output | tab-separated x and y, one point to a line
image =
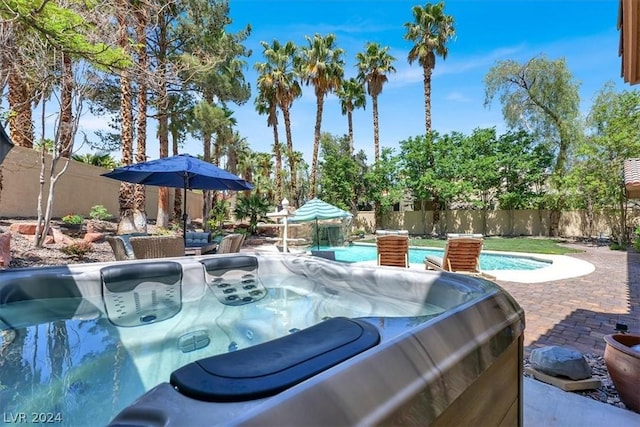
234	280
139	294
274	366
25	301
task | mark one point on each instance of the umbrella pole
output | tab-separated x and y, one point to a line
317	234
184	212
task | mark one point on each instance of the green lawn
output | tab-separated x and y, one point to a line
534	245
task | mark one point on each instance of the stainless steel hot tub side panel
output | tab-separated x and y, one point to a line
417	378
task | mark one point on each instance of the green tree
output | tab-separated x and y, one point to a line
442	176
211	61
479	156
523	167
430	31
42	44
374	64
384	187
352	96
338	175
597	175
542	97
322	66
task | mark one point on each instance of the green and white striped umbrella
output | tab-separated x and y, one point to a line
316	209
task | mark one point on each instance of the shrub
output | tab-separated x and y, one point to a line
100	212
615	246
72	219
77	249
218	214
636	241
161	231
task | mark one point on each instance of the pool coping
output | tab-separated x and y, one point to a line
561	267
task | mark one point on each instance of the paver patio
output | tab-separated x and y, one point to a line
580	311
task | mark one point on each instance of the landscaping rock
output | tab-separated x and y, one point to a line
560	361
5	249
23	228
93	237
60	237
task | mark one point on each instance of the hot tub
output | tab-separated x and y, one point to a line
264	339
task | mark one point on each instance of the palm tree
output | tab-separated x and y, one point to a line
430	32
323	67
125	197
352	96
19	83
141	15
373	66
266	104
279	75
104	160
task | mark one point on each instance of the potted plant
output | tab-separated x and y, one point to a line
622	357
72	221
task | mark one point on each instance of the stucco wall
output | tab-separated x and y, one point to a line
495	223
77	190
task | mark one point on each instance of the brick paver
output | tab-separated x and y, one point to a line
579	312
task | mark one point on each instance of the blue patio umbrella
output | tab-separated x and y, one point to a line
181	171
5	144
316	209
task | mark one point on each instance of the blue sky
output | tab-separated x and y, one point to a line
583	32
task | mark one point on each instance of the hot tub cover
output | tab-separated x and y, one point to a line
269	368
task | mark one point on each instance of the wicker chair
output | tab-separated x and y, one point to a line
237	242
157	246
227	244
118	246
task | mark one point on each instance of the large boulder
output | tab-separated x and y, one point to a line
560	361
5	249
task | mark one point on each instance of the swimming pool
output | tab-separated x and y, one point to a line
488	261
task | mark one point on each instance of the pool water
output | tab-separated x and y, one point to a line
67	366
359	253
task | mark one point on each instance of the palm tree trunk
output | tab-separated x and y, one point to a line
278	155
316	145
290	155
376	129
139	198
350	124
426	72
125	197
177	193
20	124
66	108
163	123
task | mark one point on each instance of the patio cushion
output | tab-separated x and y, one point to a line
197	238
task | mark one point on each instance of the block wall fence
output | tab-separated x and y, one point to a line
82	187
